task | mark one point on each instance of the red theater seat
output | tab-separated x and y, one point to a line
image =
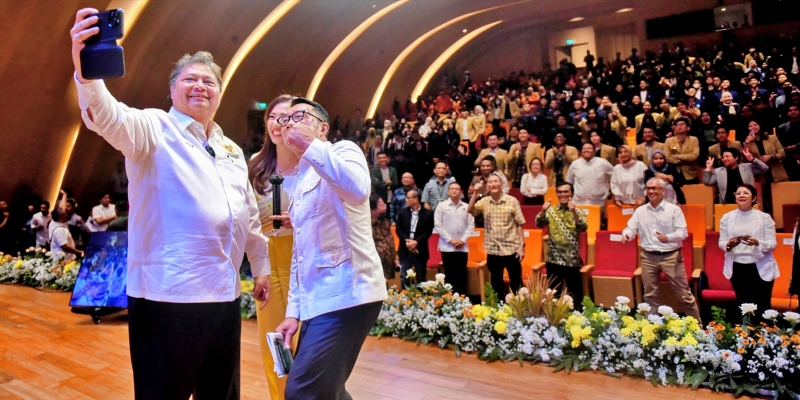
615	272
716	289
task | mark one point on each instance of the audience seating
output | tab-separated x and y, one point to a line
533	255
631	132
702	194
476	264
666	295
615	272
781	300
618	217
395	237
631	141
435	260
696	225
529	212
712	286
722	209
783	193
593	219
583	250
551	196
516	193
791	212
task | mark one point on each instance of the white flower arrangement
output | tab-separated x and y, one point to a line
663	348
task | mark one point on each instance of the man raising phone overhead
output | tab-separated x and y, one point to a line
193	215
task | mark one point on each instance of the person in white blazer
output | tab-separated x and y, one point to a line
337	286
747	236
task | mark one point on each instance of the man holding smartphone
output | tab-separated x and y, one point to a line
194	215
504	241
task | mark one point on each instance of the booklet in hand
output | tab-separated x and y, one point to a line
281	357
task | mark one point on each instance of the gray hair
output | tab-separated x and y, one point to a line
658	181
201	57
479	109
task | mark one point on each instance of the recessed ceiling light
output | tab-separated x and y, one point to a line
465	31
624	10
723	9
374	5
576	19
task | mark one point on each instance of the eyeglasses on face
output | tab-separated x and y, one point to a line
653	188
296	116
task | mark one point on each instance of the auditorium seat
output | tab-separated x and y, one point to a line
477	273
722	209
791	212
593	219
666	295
583	250
529	212
395	237
696	225
533	255
517	194
781	300
618	217
435	260
783	193
551	196
702	194
631	132
732	135
631	141
615	273
714	288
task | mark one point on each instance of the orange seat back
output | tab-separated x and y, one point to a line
722	209
477	252
618	217
395	237
551	196
593	220
533	251
784	193
695	215
701	194
783	256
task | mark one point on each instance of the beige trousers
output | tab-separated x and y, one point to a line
672	265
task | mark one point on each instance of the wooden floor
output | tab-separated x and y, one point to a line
46	352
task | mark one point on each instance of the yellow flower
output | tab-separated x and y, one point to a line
627	321
18	265
648	333
575	320
688	340
675	326
480	312
605	317
692	324
501	316
626	331
500	327
671	341
247	286
72	264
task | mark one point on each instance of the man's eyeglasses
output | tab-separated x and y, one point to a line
653	188
296	116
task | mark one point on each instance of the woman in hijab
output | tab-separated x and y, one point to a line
671	176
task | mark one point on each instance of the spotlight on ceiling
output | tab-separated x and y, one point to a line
723	9
464	31
576	19
624	10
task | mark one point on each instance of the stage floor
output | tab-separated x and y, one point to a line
47	352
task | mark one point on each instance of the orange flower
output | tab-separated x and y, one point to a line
743	334
784	337
796	339
712	323
719	336
719	328
726	355
785	344
740	350
762	341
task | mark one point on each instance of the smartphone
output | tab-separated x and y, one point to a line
102	58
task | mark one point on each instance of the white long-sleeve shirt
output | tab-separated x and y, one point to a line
665	218
452	221
590	180
627	184
42	235
193	215
533	186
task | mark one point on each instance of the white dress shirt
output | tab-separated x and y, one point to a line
42	235
757	224
192	216
533	186
100	211
452	221
627	184
334	261
590	179
59	237
665	218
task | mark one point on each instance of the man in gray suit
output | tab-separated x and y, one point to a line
732	173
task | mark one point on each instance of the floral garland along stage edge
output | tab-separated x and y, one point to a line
539	325
37	268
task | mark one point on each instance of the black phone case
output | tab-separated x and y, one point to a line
103	62
102	58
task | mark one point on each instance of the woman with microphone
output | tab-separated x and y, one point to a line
747	236
274	158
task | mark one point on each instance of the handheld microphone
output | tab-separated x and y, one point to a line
276	180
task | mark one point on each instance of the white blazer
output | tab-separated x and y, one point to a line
764	231
334	264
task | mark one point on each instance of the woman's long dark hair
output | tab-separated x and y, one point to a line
262	165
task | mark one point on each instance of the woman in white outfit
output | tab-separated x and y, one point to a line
627	180
534	184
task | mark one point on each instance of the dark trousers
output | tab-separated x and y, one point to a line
455	270
327	351
566	277
750	288
496	264
183	349
417	262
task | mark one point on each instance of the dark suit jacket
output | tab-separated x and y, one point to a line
423	231
379	186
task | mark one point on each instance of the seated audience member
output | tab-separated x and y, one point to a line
644	151
559	158
495	151
382	235
747	236
589	176
723	143
627	180
672	178
504	240
534	184
683	150
732	173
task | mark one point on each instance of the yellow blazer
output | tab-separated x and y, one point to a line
477	126
500	155
656	116
534	150
459	124
772	147
570	155
609	154
640	151
683	158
